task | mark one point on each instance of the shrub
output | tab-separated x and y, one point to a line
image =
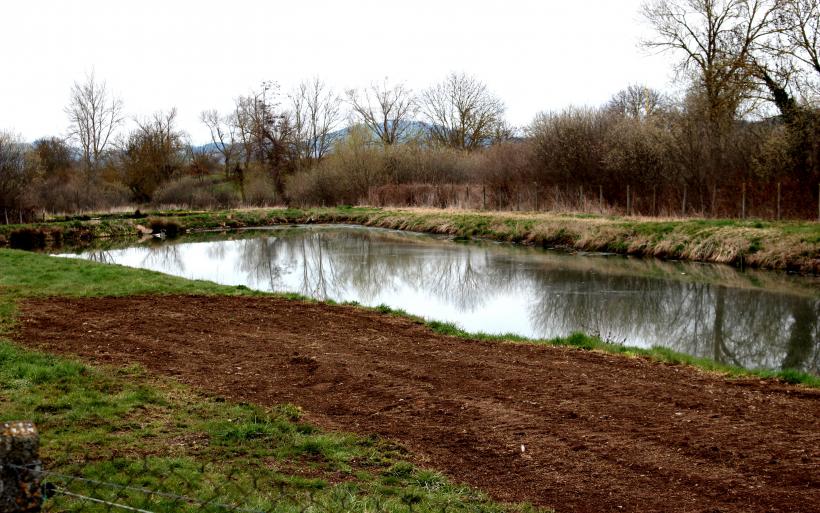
259	189
27	238
192	192
163	226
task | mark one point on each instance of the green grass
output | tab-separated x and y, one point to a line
31	274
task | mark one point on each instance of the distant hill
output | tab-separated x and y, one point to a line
414	129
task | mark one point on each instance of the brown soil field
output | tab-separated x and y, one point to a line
579	431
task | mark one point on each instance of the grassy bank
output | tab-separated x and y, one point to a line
125	426
787	245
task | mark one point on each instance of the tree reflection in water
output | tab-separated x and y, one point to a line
752	319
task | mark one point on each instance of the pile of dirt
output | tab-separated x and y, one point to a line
570	429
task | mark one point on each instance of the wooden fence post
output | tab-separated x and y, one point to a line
20	468
601	198
778	201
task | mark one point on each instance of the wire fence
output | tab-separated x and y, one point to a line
738	201
140	487
157	484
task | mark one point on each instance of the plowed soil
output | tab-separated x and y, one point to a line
570	429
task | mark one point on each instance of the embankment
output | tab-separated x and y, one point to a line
788	245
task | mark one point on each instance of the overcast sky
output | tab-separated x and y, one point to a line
196	55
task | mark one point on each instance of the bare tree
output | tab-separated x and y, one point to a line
12	173
385	109
94	115
263	132
638	102
153	154
716	39
316	112
223	136
462	112
799	38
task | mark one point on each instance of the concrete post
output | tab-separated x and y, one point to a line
20	468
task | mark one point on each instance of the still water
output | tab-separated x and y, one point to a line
753	319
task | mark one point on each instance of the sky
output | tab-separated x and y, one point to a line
197	55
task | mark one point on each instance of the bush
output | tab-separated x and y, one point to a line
75	193
165	227
27	238
259	189
192	192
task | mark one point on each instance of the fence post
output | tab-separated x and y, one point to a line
467	198
778	201
714	200
535	188
601	198
628	202
654	199
743	203
581	198
20	468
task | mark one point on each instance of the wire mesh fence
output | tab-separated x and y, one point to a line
88	483
145	487
734	201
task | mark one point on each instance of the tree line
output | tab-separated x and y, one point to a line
744	127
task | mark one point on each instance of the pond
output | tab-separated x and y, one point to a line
754	319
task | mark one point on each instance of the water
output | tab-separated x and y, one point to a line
752	319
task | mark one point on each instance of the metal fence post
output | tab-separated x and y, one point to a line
628	203
537	206
654	200
20	468
743	203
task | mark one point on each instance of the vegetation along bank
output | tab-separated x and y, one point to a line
786	245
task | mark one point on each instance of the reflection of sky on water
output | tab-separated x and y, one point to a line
751	319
